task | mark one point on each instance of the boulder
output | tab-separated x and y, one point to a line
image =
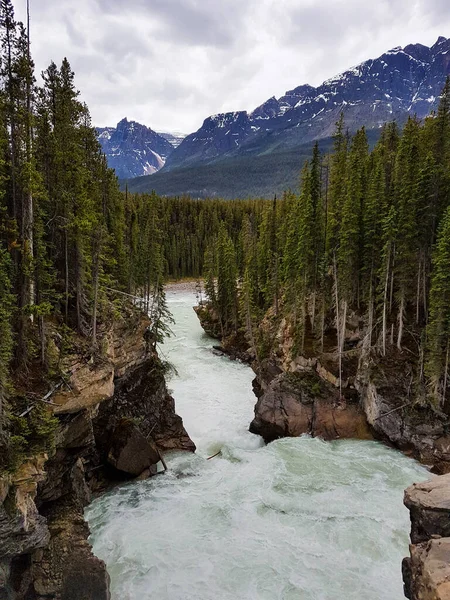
429	506
130	451
293	404
142	397
426	573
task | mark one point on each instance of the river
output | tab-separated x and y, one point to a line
299	519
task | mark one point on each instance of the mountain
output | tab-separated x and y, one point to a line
133	149
401	81
175	137
240	154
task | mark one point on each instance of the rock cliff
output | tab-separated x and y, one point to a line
300	393
115	418
426	573
378	396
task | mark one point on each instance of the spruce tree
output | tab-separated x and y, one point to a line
438	331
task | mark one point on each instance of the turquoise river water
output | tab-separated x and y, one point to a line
299	519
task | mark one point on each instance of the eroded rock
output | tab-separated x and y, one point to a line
44	552
302	403
429	506
426	573
130	451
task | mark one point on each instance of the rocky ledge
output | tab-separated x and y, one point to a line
426	572
378	396
299	403
375	401
233	343
116	419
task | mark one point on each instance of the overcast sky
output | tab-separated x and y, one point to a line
171	63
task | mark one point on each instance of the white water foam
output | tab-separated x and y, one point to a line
299	519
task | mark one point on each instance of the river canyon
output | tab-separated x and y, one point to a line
298	519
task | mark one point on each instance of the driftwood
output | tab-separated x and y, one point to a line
43	399
162	459
214	455
393	410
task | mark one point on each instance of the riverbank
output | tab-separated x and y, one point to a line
300	395
362	394
296	518
114	419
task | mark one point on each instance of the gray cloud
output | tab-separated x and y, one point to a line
171	63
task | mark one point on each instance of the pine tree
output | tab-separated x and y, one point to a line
438	331
227	302
405	182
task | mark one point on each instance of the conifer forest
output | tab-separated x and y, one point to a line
366	233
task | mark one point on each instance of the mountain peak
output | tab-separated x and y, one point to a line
401	81
441	40
133	149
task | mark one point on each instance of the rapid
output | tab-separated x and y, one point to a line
299	519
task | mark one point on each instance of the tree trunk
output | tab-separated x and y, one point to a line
66	275
418	293
401	316
385	306
338	323
96	268
444	385
28	216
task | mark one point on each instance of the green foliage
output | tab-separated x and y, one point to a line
438	330
71	243
360	237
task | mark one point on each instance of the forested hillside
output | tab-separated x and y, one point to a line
67	239
368	234
366	238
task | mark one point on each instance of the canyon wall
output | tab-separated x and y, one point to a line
115	421
426	572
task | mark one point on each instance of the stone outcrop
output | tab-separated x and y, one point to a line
380	394
115	418
426	573
302	403
22	528
130	451
233	343
209	320
390	398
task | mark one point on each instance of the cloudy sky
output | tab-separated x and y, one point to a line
171	63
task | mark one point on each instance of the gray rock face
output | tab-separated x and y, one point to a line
426	573
130	451
44	552
384	386
142	396
133	149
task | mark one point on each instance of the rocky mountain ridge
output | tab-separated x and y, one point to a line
401	81
260	153
133	149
